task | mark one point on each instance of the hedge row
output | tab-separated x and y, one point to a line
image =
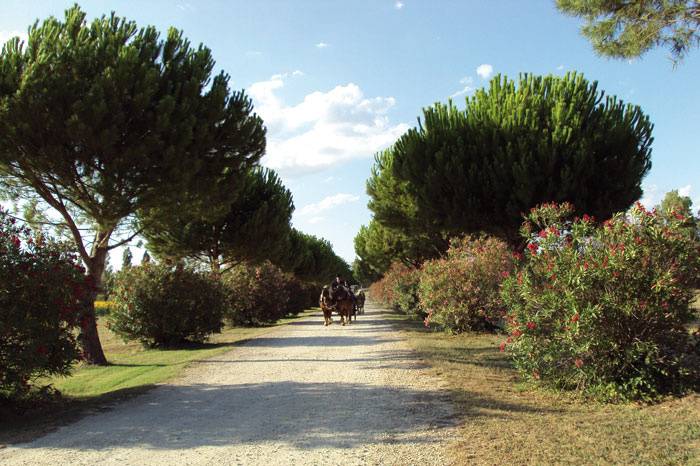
600	308
165	306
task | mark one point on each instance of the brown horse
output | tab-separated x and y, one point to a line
361	302
343	303
327	306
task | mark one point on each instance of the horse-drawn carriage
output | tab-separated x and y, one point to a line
342	300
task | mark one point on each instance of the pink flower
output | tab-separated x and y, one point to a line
579	363
505	274
502	346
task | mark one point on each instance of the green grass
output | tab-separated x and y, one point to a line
132	370
506	422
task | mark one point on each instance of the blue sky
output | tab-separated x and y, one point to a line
337	81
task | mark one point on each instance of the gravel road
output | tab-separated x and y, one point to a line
301	394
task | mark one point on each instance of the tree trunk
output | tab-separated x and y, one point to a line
89	338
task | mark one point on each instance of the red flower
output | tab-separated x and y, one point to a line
517	256
531	325
505	274
502	346
15	241
586	218
575	317
533	248
517	332
579	362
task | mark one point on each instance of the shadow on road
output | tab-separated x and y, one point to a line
305	415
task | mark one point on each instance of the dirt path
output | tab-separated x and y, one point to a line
303	394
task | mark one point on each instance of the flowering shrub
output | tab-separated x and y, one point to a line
41	284
166	307
258	294
461	291
604	308
399	289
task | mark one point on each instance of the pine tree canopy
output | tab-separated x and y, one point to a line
628	29
103	120
254	227
515	145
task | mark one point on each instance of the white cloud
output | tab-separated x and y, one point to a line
560	67
650	197
398	5
7	35
297	73
322	45
685	190
185	6
484	71
468	83
316	220
328	203
329	179
324	129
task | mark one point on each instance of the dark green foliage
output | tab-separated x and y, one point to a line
301	295
163	306
102	120
378	246
259	294
127	257
514	146
312	259
628	29
254	227
41	285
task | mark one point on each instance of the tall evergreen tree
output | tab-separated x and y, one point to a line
628	29
127	258
104	120
518	145
254	227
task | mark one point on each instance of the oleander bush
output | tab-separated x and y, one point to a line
461	292
398	289
258	294
604	308
41	288
164	306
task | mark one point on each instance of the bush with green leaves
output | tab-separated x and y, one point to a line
604	308
398	289
461	292
41	288
258	294
301	295
164	306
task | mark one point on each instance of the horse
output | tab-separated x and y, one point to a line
326	304
343	300
361	302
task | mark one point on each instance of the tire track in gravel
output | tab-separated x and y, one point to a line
301	394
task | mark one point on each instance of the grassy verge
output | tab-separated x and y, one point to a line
132	371
504	422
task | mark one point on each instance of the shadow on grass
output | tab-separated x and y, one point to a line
38	416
